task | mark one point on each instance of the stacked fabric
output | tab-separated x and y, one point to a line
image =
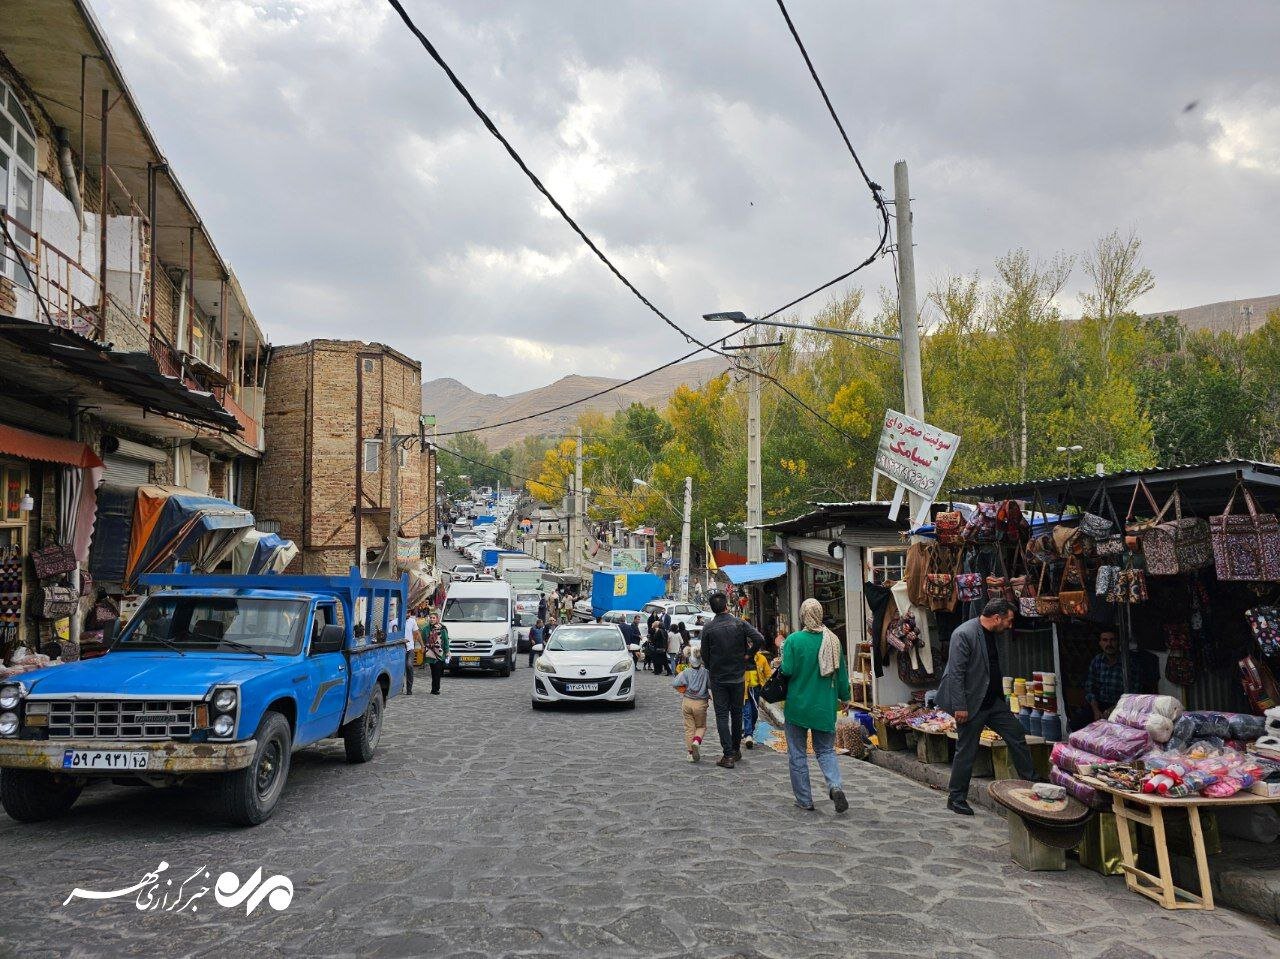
1155	715
1113	741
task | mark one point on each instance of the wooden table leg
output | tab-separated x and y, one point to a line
1202	862
1127	856
1167	897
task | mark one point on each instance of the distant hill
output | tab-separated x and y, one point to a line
1230	316
457	407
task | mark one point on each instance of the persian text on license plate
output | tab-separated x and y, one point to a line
471	659
581	687
103	759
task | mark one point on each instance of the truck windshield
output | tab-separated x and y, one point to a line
586	641
272	626
474	609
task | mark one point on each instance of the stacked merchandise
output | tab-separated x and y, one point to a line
932	721
25	661
11	560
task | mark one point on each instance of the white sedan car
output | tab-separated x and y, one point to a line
587	663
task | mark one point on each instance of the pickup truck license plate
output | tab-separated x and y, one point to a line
103	759
470	659
581	687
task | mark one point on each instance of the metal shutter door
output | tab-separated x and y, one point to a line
126	471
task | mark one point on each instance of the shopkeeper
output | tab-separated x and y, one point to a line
1104	684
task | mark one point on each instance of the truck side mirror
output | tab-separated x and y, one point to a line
331	640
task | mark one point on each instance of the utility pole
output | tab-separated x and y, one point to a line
579	507
683	595
755	514
908	313
391	447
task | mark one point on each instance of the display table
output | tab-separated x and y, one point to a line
1147	809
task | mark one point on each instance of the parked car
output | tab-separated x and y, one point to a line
583	611
480	617
462	573
584	663
216	676
693	616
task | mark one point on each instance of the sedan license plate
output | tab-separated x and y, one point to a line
581	687
103	759
470	659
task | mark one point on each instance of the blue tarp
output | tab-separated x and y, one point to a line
753	572
636	589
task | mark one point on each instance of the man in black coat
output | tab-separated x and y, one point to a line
725	642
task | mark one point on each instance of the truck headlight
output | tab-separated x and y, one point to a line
8	724
224	700
10	695
223	725
544	665
622	666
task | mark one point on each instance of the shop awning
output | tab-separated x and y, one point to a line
46	449
745	573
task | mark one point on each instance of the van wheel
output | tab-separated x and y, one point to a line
361	735
29	795
505	669
249	796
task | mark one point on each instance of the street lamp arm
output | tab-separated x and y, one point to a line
834	332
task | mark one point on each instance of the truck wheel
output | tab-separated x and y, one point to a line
249	795
505	669
32	796
361	735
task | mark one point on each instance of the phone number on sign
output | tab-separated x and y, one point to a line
906	475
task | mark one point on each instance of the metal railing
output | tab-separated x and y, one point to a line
64	292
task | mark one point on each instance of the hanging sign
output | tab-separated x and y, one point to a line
914	455
624	558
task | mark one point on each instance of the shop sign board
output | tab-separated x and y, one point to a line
914	454
627	558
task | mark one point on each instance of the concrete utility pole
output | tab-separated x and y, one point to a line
683	595
908	313
755	513
579	507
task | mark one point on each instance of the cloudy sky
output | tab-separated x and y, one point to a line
358	197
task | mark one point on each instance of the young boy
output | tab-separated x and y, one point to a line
695	683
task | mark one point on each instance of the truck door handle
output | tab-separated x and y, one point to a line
300	679
342	669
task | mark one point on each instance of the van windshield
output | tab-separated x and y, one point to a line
474	609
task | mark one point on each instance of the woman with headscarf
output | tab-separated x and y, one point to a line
817	684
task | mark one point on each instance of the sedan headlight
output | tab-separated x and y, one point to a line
224	700
622	666
223	725
8	724
10	695
544	665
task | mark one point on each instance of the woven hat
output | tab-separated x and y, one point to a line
1055	822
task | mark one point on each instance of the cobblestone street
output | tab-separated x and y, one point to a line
484	829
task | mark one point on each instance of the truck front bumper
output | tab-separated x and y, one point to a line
163	757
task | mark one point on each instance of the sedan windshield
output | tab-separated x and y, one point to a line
586	641
212	622
465	609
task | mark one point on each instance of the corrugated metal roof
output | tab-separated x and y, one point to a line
863	513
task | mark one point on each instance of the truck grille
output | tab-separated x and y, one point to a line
120	718
470	647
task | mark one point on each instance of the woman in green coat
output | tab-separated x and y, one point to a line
817	683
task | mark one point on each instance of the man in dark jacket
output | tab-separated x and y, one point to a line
725	642
972	690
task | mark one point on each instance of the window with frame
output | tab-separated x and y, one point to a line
17	176
372	456
888	565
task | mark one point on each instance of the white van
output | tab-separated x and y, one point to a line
481	618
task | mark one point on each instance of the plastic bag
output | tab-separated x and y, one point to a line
1183	731
1111	741
1155	714
1242	726
1082	791
1070	759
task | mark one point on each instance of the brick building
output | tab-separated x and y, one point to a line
329	404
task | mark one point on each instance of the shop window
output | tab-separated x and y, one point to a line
888	565
827	587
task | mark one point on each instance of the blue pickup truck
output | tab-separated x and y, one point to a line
214	676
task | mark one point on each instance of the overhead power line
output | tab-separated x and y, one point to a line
595	249
498	469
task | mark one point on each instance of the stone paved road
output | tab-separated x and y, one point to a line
483	829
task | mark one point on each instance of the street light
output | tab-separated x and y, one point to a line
737	316
1069	450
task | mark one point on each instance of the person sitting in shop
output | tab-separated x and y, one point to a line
1104	683
972	690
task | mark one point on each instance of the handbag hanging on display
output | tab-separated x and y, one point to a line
1245	547
1179	545
1072	602
998	587
1045	605
1096	525
58	601
1107	582
984	524
940	586
969	587
1264	622
51	561
949	527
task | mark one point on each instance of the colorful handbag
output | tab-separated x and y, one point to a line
998	587
903	633
51	561
1094	525
1107	581
939	587
58	601
104	612
1072	602
1245	547
1131	586
1264	621
1179	545
1137	527
984	524
949	527
969	587
1009	520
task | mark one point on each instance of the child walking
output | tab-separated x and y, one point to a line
695	683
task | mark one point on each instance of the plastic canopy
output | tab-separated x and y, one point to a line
170	522
262	552
744	573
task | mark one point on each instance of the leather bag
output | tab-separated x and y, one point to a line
1075	601
940	585
774	689
1245	547
1045	605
